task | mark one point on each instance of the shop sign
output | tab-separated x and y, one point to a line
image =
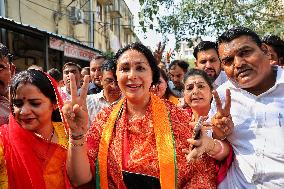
56	44
75	51
71	50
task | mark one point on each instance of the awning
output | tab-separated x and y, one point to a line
69	46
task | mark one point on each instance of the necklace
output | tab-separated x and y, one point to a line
48	140
43	152
52	134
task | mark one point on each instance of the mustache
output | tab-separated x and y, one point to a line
242	69
211	69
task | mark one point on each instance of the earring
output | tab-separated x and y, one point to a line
55	106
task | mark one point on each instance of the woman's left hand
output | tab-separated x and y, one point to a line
202	145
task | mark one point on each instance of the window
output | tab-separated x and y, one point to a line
99	12
126	38
112	24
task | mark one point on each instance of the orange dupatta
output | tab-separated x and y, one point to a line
164	142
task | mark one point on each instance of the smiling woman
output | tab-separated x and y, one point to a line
33	144
137	140
134	76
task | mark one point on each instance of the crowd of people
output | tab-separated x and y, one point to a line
132	121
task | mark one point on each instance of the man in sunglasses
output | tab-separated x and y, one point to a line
7	69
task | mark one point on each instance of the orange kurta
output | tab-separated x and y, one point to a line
143	156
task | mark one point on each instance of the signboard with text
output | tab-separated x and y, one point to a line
71	50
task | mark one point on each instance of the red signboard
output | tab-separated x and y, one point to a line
71	50
56	44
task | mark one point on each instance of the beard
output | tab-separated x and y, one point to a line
212	74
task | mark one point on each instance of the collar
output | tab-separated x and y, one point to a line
101	95
93	85
280	75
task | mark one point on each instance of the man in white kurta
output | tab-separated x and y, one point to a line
258	137
257	110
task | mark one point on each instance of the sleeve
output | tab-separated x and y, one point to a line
94	135
223	166
202	174
197	174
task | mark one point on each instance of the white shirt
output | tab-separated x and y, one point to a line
178	93
65	94
222	78
95	102
258	137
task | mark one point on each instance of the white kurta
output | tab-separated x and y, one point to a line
258	137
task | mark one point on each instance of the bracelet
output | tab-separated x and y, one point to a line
219	138
77	145
223	138
221	151
78	137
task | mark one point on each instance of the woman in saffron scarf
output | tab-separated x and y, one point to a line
138	141
34	144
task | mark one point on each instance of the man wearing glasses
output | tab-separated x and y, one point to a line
110	93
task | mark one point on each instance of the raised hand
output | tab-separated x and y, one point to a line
158	54
168	56
75	111
222	123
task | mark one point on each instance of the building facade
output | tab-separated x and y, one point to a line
64	30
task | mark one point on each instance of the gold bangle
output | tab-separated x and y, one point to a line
78	137
221	151
77	145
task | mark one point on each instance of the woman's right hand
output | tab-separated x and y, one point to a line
222	121
75	111
76	114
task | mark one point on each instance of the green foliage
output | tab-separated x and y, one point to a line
191	62
190	19
109	54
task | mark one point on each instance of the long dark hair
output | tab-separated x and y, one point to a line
168	92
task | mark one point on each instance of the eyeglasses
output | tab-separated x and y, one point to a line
110	81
